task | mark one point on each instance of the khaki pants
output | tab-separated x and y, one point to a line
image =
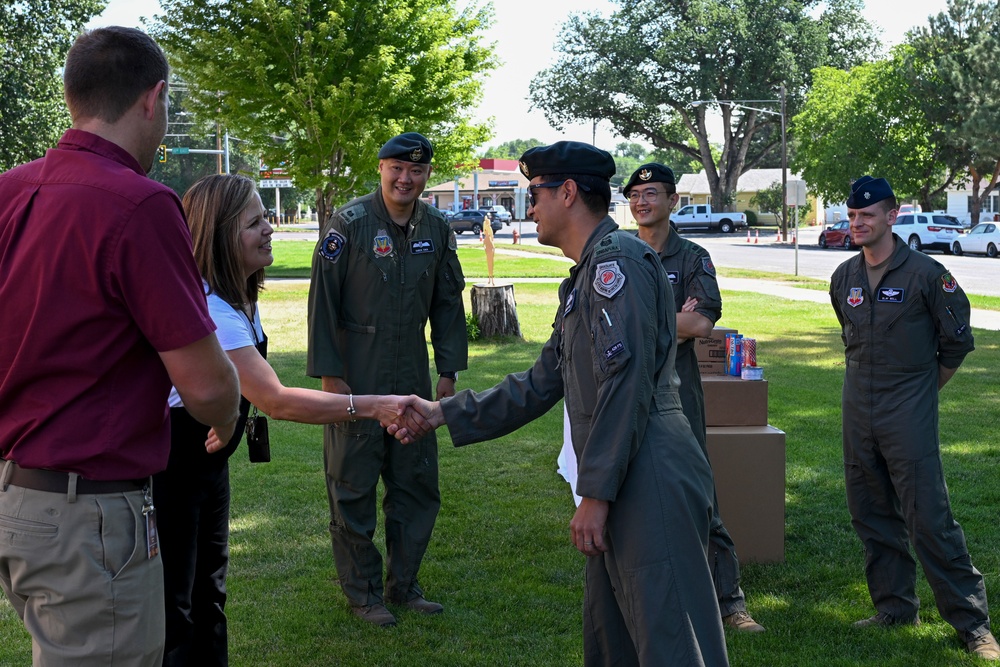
78	575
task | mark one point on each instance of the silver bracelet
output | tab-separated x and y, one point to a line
350	409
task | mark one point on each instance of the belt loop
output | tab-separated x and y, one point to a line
71	491
8	470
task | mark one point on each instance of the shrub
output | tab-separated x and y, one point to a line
751	218
472	326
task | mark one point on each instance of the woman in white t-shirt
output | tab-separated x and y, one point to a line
232	246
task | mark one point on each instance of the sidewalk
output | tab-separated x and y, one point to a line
981	319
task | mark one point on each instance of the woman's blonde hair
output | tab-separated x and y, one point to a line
213	207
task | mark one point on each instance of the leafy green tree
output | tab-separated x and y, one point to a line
511	150
769	199
870	120
641	68
185	130
322	84
35	36
953	68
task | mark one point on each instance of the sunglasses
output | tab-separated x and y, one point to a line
551	184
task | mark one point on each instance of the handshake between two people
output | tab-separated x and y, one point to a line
409	418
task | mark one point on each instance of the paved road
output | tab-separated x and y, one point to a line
977	275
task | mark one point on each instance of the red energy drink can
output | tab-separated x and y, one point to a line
749	351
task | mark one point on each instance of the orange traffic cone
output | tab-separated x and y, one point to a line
748	235
756	238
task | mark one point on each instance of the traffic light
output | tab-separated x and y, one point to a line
161	153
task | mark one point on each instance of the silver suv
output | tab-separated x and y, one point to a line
499	213
927	231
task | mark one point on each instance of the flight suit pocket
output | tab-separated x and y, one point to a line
358	328
611	350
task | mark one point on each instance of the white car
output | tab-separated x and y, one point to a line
984	239
927	231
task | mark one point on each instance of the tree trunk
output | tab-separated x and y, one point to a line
496	310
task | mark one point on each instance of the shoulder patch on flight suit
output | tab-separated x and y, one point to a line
452	241
856	297
609	279
608	244
948	284
333	246
706	263
353	213
890	295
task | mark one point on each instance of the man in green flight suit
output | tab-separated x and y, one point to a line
905	326
386	263
652	195
646	484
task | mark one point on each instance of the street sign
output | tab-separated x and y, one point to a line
276	183
180	150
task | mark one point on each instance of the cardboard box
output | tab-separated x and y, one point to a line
713	348
712	367
733	401
749	467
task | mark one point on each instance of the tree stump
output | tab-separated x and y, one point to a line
496	310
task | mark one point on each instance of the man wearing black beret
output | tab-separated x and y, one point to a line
652	195
905	327
646	484
386	263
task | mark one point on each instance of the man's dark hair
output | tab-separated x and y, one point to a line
889	203
597	199
107	69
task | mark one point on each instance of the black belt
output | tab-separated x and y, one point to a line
56	481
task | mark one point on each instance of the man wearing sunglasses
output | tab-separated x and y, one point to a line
652	195
647	487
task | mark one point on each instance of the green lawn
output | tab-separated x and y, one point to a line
501	561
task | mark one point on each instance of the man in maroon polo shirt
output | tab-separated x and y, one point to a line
102	310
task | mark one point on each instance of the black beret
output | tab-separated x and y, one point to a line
651	172
567	157
409	147
867	190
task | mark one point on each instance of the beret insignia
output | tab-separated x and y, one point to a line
524	169
645	174
416	154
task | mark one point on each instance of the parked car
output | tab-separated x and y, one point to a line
984	239
447	213
499	213
927	231
909	208
701	216
472	221
837	235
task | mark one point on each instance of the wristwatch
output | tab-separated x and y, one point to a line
451	375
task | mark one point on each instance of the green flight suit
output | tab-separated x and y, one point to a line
896	335
649	599
692	274
374	287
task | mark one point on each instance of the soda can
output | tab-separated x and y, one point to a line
749	351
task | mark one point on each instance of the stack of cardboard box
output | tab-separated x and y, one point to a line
747	454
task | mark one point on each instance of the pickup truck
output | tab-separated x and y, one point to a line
700	216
